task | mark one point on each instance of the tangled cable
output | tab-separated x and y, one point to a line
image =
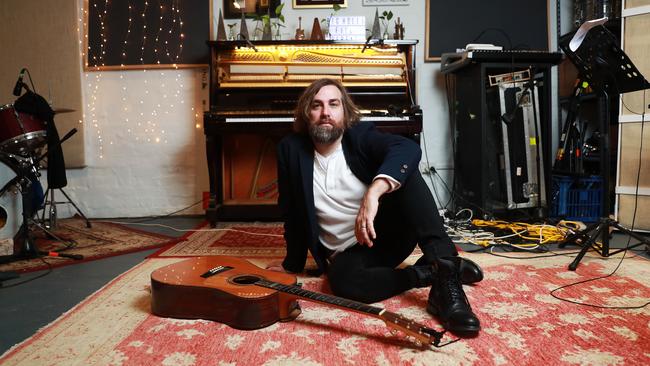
481	232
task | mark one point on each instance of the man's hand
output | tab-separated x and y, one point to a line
276	266
364	228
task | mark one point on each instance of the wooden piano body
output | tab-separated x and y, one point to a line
254	87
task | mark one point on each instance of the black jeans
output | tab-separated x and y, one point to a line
405	218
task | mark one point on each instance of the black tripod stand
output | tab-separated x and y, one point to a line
607	69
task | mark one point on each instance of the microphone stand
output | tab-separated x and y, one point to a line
380	41
248	43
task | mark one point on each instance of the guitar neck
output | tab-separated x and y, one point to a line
422	335
322	298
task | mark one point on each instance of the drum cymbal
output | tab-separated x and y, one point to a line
63	110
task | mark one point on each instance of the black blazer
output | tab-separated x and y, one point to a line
368	152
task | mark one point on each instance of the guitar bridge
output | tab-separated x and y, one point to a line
216	270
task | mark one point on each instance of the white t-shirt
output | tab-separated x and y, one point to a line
337	198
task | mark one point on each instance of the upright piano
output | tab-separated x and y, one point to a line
254	87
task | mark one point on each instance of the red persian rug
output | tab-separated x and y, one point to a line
230	238
522	324
100	241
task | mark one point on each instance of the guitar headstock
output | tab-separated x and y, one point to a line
420	335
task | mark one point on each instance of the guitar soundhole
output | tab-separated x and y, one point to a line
245	280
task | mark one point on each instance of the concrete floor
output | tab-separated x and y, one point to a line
27	307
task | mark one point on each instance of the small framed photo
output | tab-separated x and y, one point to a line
385	2
232	9
297	4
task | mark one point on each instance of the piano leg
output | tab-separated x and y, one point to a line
213	146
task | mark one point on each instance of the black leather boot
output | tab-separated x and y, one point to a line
469	271
424	275
448	301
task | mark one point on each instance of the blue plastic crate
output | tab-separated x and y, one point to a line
577	199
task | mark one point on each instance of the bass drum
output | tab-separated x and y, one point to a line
11	207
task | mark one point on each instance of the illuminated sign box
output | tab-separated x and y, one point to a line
348	28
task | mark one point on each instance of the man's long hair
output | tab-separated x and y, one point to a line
301	114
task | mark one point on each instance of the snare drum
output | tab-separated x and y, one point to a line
11	207
20	132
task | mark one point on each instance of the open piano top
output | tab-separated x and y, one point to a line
261	81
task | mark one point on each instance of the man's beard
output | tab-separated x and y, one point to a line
324	134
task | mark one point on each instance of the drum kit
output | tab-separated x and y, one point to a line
23	140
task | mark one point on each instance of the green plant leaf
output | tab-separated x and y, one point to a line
278	9
336	7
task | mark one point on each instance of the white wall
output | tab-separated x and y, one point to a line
130	175
145	151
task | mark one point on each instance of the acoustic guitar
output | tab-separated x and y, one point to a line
300	33
235	292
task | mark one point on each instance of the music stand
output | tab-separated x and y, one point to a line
602	63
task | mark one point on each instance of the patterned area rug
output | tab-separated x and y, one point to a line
230	238
100	241
522	324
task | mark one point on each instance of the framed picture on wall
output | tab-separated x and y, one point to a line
111	39
514	24
385	2
297	4
232	9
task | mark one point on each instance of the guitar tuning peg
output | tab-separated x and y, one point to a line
394	332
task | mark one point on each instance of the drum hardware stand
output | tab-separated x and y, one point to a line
49	192
24	235
600	61
27	168
68	243
52	219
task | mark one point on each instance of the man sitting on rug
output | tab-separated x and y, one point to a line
354	198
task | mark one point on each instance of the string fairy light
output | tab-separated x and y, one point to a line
81	27
160	25
141	118
144	30
128	34
98	60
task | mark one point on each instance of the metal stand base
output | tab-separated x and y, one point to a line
588	237
51	202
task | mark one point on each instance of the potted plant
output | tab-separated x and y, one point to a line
266	19
259	28
385	17
231	31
